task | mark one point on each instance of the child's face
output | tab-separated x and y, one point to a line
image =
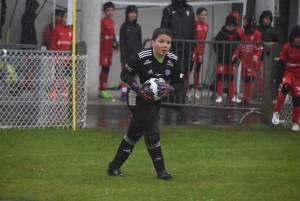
58	18
244	23
297	40
132	16
266	21
202	16
161	45
65	18
109	12
230	28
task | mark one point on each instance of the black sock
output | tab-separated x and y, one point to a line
123	152
157	158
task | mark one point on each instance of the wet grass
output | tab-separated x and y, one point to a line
249	162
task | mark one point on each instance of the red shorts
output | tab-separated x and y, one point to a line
197	57
226	69
294	82
105	59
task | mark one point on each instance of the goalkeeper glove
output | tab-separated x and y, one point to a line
164	89
140	89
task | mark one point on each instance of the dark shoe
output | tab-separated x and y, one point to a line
114	171
164	175
123	97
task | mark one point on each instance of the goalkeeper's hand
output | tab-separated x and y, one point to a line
163	89
140	89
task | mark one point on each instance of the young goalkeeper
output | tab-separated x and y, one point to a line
154	62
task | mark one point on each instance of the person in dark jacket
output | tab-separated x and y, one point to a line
179	18
225	68
130	40
268	34
28	35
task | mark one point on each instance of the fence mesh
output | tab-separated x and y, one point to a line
36	90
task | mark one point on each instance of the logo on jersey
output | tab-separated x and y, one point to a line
158	74
147	62
70	34
252	37
170	63
181	75
167	72
128	68
150	72
298	88
187	13
173	12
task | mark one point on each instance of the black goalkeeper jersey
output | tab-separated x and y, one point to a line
143	66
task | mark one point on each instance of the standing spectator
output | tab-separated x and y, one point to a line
202	29
28	35
61	40
225	68
47	36
162	64
106	47
249	55
289	70
179	18
268	34
238	22
130	40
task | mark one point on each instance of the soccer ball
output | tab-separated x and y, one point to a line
153	87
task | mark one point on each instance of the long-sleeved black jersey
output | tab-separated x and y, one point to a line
130	40
180	20
143	66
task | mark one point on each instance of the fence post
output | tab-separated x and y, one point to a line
270	89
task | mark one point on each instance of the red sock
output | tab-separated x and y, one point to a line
261	84
124	86
231	89
296	114
219	88
279	102
196	80
103	81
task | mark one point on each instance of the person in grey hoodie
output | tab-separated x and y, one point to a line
130	40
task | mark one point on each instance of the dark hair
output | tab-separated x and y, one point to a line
251	24
161	31
295	32
200	10
58	12
108	5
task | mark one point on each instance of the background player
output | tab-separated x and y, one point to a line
249	55
289	70
154	62
202	29
106	47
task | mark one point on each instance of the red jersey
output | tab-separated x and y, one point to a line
47	36
291	55
247	51
202	29
107	36
62	37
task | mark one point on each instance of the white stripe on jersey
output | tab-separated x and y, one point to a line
145	53
171	55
